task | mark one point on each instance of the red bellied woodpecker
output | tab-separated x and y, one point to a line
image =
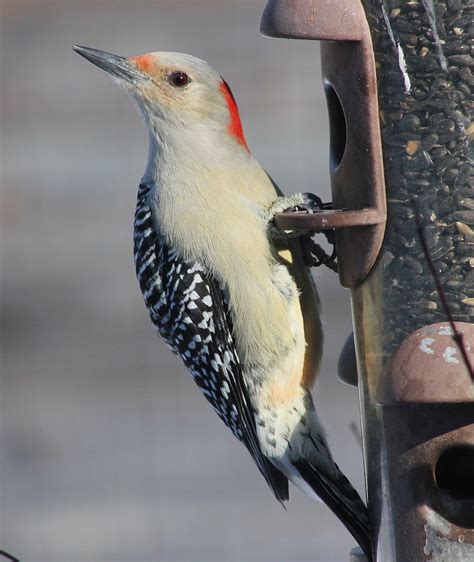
237	304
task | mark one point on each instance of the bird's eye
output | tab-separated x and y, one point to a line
179	79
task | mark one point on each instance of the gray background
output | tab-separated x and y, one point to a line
108	450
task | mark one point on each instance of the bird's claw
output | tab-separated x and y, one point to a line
281	205
309	203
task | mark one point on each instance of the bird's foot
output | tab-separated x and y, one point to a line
294	203
289	203
310	203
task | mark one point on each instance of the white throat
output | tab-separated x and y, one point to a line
188	151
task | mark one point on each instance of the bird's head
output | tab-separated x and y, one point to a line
174	90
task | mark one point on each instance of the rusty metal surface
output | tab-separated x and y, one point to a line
428	368
427	403
357	175
313	19
427	519
358	181
325	220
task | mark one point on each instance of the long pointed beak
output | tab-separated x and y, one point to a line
120	67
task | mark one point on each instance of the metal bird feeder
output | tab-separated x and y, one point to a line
398	81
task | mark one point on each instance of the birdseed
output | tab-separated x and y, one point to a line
425	79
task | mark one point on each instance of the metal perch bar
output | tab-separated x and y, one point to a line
326	220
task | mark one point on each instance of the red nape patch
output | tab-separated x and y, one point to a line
235	125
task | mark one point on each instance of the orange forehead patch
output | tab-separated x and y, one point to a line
144	62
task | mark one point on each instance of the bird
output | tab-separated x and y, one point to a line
228	292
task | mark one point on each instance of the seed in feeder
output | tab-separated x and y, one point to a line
434	173
464	216
414	265
409	123
445	126
439	152
387	258
463	21
412	147
466	76
460	60
463	229
430	141
428	305
454	284
465	248
454	307
454	4
441	250
460	120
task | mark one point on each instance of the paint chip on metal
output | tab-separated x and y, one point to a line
439	547
449	355
425	346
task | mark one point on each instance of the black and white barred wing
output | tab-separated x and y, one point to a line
189	310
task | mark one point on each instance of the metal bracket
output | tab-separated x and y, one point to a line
356	164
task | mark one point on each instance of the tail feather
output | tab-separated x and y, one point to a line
340	496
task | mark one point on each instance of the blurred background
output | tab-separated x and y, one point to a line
108	450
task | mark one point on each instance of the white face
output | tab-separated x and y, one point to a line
179	85
174	90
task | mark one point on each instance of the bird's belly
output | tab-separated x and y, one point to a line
291	432
283	428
